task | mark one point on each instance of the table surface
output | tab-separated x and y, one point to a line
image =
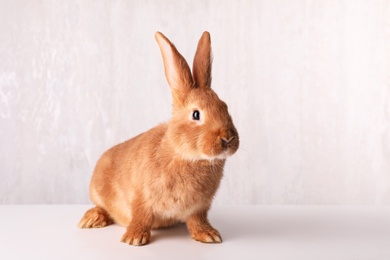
249	232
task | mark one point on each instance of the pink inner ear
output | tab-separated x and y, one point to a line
167	53
177	71
166	50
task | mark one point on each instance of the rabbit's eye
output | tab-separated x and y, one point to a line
196	115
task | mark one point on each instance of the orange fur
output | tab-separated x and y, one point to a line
170	173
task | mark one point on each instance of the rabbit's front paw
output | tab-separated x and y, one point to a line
207	236
136	238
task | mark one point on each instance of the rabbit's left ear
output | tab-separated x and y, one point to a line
201	68
176	68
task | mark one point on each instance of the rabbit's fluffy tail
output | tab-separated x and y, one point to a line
95	218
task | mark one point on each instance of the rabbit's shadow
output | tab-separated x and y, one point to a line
176	231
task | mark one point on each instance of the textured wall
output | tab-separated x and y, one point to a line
308	84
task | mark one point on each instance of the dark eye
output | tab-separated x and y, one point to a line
196	115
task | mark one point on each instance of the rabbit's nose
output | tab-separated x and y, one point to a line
226	141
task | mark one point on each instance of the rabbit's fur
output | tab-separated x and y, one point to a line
169	174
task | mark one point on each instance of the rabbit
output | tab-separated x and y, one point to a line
169	174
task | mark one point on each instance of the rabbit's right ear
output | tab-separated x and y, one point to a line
176	68
201	68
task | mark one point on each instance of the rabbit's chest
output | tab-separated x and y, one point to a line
178	202
178	199
175	211
178	192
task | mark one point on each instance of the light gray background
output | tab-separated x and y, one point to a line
307	83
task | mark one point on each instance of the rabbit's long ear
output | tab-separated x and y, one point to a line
201	69
177	71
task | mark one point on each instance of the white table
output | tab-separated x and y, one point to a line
249	232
